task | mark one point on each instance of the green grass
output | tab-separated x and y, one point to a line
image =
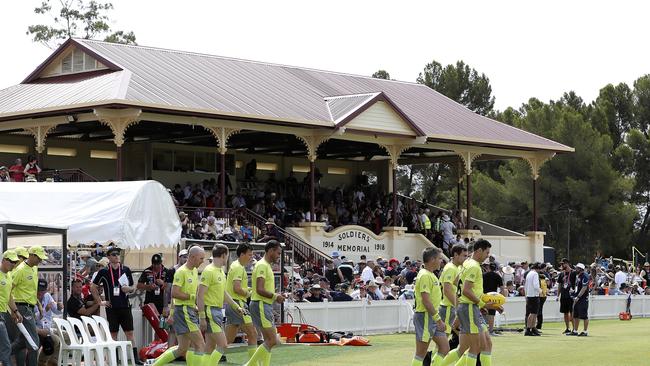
610	343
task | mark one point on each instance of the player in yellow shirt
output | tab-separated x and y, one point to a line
427	321
184	316
237	287
210	300
449	279
262	301
9	314
473	328
24	289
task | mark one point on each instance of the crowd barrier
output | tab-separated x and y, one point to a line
386	317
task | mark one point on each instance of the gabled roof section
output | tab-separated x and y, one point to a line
76	54
342	106
371	112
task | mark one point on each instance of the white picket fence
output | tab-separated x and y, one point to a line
386	317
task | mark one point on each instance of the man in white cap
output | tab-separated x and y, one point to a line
447	229
167	299
581	302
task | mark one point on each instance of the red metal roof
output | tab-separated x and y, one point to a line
176	79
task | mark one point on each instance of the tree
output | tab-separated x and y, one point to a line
76	18
381	74
460	83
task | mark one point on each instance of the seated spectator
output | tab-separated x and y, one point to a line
17	171
4	174
76	305
373	291
510	288
43	314
341	293
271	231
394	293
315	294
247	231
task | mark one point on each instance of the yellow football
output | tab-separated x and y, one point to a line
496	298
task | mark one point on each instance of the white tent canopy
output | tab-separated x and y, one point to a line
134	215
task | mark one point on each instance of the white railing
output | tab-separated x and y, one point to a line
386	317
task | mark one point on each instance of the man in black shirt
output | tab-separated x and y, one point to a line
152	281
566	281
118	308
492	282
76	305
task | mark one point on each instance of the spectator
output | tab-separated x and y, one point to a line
341	293
373	291
367	271
76	306
152	281
4	174
543	292
394	293
315	294
492	282
32	167
447	228
17	171
532	289
50	343
619	278
508	273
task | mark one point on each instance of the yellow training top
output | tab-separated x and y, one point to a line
215	280
188	280
25	283
471	271
264	270
237	272
449	275
427	282
5	291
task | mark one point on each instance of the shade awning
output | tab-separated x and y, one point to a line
133	215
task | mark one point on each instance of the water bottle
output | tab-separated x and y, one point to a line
163	322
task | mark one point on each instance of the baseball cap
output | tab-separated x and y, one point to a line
38	251
113	250
10	255
182	252
42	285
156	259
581	266
21	252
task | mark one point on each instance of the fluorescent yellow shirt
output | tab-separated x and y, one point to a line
215	280
264	270
25	283
544	288
429	283
5	291
237	272
188	280
471	271
449	275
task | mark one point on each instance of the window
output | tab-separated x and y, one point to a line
183	161
205	161
14	149
300	169
163	159
338	171
103	154
61	151
267	166
78	61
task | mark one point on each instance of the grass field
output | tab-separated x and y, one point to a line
610	343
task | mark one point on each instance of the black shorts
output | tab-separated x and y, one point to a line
532	305
581	310
566	304
119	318
492	312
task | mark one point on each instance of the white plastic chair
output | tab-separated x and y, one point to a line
96	349
126	348
70	352
100	341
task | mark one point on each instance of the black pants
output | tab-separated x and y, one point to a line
540	313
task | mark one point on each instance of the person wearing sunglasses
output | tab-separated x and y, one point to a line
116	290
